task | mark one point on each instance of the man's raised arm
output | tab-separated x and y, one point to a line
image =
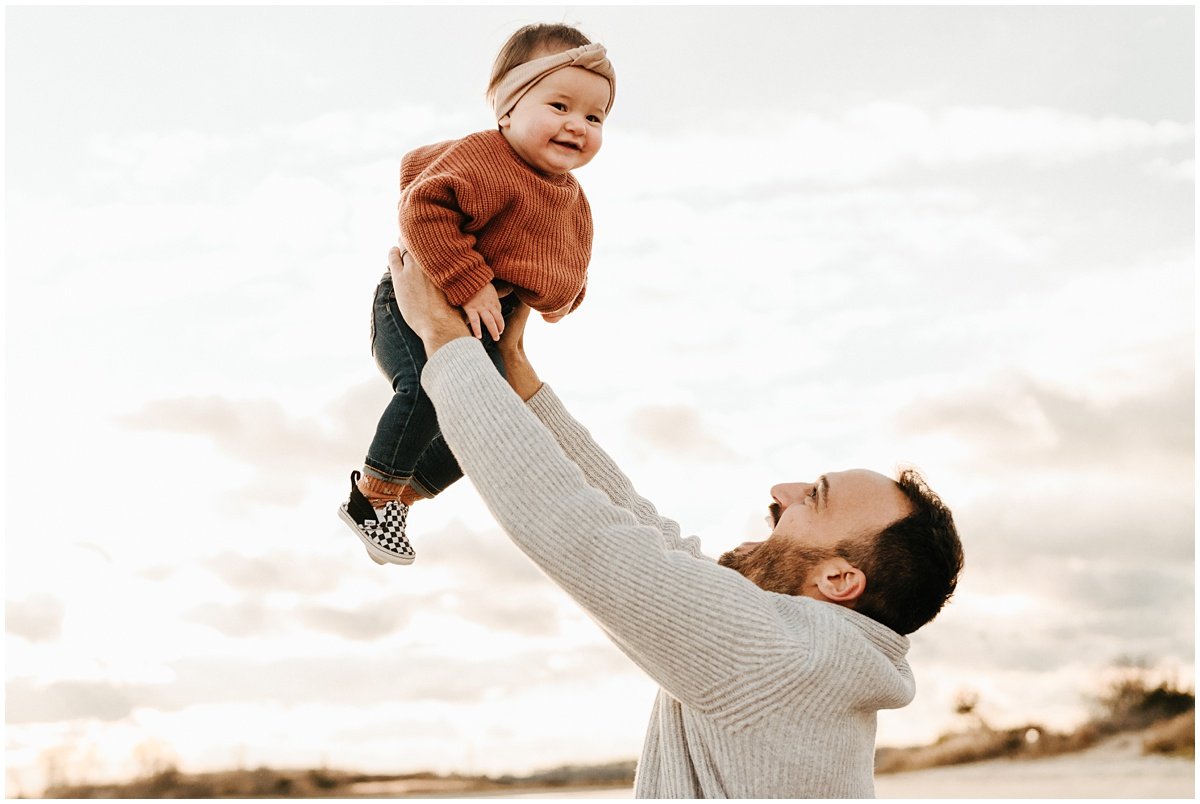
662	606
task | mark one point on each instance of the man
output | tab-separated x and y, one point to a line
773	661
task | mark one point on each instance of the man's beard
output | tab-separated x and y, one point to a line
777	565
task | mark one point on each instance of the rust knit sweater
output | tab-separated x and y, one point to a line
472	211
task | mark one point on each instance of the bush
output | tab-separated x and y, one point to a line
1175	737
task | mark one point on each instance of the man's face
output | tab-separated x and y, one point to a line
810	519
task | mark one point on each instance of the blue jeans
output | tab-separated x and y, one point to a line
408	447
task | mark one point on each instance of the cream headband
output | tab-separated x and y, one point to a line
522	78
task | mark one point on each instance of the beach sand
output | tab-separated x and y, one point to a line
1113	769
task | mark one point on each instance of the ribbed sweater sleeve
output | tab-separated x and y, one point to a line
602	472
439	212
698	629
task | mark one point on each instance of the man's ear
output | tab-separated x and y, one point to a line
839	581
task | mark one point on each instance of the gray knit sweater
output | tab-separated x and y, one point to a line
762	695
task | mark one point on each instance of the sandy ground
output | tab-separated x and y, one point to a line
1114	769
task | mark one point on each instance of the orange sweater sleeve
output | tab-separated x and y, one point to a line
439	213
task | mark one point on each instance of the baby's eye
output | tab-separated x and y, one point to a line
562	107
594	119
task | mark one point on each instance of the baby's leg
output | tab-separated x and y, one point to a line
436	467
409	423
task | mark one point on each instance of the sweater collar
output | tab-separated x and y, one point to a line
894	646
562	180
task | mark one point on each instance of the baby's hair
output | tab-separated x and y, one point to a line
530	42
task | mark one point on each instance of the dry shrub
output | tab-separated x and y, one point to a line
1175	737
951	749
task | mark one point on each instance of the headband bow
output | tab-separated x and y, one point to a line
522	78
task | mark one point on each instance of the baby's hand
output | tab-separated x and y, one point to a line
557	315
483	310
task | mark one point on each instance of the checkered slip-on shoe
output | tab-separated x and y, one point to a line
381	530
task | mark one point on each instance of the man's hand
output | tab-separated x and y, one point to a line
521	376
483	310
423	304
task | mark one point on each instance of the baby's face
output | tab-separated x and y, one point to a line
558	125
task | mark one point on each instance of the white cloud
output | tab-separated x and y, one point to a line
1183	170
680	431
872	141
37	618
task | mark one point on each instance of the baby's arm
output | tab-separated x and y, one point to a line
432	223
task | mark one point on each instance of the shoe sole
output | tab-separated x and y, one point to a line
377	555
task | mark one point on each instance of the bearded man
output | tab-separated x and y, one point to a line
772	661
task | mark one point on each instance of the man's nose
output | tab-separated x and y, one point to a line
787	493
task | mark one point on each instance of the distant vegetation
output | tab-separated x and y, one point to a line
325	783
1133	701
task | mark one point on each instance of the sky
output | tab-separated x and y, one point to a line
958	238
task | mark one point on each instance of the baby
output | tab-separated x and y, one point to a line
492	218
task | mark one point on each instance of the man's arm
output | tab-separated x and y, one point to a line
699	629
424	306
598	467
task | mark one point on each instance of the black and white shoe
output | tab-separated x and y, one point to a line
381	530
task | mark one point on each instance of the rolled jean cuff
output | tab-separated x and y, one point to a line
409	481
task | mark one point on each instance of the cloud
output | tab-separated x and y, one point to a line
1099	607
157	158
273	573
482	579
1024	420
249	617
494	584
679	431
26	702
1183	171
287	450
367	622
348	681
876	140
1050	517
1040	135
38	618
252	616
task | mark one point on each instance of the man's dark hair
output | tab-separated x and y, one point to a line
912	565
